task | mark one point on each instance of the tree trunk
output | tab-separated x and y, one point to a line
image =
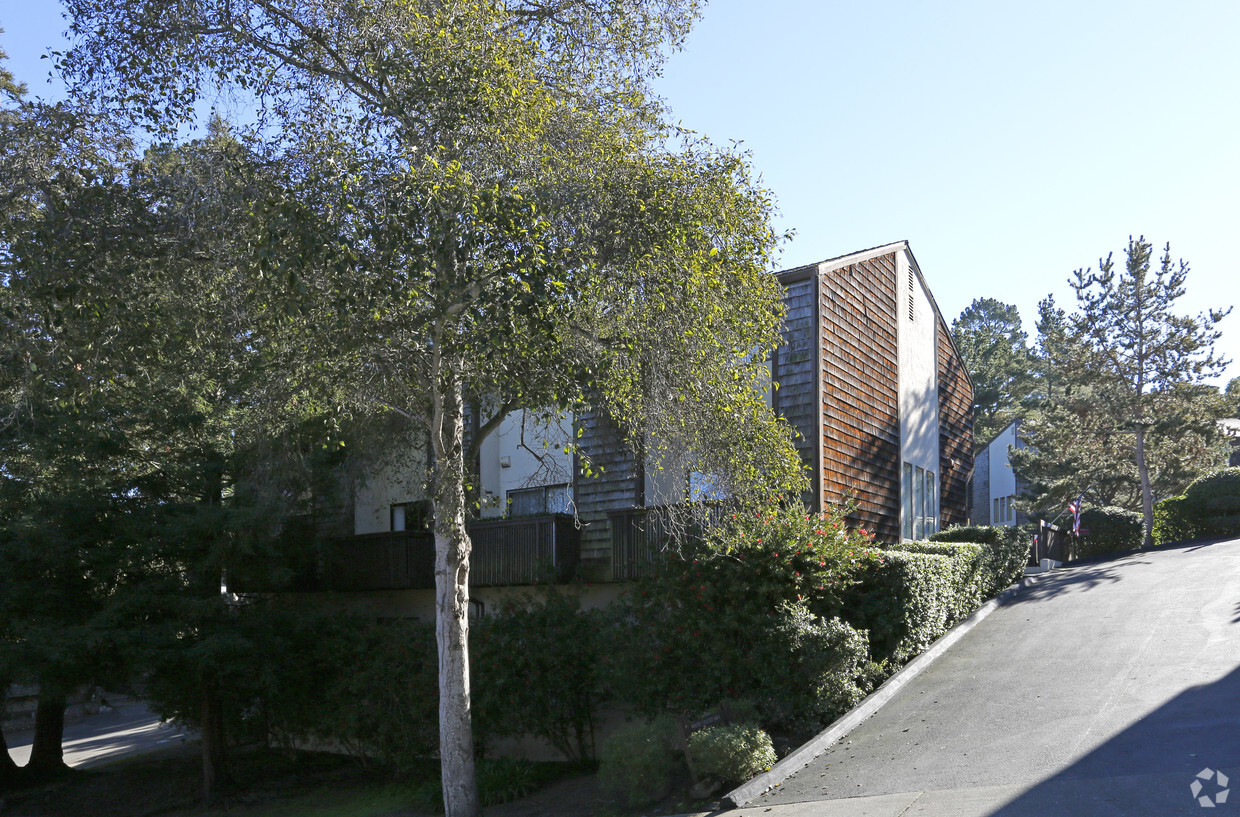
1147	494
452	546
214	756
47	756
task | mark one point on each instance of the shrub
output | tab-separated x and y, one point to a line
637	763
380	692
536	671
1171	523
732	754
1210	507
1004	557
756	620
979	534
904	600
1111	530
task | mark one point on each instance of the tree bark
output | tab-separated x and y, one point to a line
214	757
452	550
1147	494
47	756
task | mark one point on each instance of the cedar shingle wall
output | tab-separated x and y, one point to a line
861	399
793	369
617	486
955	432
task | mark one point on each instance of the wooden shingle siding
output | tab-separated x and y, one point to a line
617	486
860	410
794	371
955	431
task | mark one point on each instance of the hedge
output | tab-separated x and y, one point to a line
1209	507
1111	530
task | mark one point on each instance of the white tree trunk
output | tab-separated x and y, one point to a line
452	547
1147	494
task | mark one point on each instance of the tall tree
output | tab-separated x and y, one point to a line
995	349
1123	397
486	211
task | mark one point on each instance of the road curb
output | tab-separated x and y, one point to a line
802	757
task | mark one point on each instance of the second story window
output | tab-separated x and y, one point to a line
543	499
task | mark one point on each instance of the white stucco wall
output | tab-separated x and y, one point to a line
539	461
918	373
1002	478
398	476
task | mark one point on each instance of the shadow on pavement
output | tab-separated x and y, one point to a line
1072	579
1148	768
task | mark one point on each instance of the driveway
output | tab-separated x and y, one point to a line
127	729
1102	689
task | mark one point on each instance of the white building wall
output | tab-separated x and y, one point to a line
918	373
507	461
525	452
1002	478
399	477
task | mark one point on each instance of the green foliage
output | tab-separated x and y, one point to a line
732	754
536	671
1111	530
1003	559
637	762
995	349
755	618
1209	507
1124	413
904	601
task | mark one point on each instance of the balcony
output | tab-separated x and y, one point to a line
529	550
642	537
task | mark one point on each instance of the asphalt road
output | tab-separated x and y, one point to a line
1103	689
128	729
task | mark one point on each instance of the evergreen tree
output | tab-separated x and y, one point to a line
995	349
1123	414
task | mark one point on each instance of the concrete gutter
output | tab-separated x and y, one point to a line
800	758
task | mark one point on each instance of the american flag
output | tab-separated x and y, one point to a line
1074	508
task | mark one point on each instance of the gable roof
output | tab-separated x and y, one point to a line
800	273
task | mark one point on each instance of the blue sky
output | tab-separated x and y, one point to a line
1010	143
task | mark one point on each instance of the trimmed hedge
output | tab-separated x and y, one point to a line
905	601
1111	530
911	594
1209	507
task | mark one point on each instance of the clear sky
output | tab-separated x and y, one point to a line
1010	143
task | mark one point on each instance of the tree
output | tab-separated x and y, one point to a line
484	210
994	346
1122	392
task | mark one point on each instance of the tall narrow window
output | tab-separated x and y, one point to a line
932	504
919	495
906	496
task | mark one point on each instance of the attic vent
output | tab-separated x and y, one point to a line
910	309
910	295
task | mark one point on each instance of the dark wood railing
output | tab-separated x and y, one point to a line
529	550
642	537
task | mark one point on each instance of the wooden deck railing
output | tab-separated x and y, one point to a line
529	550
642	537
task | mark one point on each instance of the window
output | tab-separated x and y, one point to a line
705	486
543	499
919	494
906	491
919	499
410	516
